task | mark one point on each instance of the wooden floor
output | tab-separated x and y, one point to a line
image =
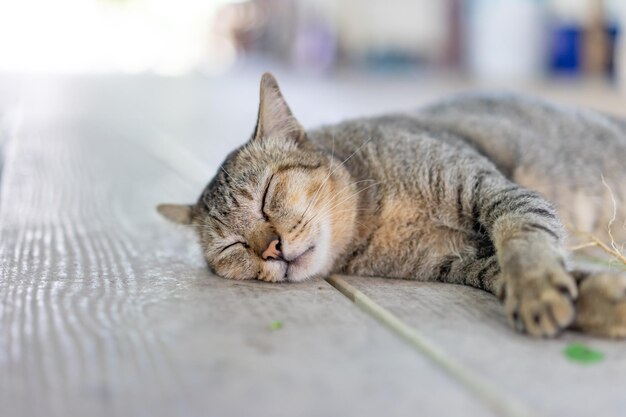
107	310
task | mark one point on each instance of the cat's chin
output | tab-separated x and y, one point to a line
303	267
316	260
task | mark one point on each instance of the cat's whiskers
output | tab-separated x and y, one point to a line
330	164
337	195
333	221
327	208
325	181
332	154
226	172
366	227
333	215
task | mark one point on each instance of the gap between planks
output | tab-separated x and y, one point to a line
502	404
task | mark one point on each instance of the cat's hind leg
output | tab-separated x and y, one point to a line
601	303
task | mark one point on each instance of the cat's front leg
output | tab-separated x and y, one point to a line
537	291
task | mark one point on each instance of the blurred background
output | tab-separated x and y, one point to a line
189	70
481	39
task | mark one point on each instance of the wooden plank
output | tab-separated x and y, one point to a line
504	405
107	310
469	326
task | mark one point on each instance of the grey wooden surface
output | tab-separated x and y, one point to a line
107	310
469	326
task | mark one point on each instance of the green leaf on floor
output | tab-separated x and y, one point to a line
577	352
275	325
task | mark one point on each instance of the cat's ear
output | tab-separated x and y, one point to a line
275	117
177	213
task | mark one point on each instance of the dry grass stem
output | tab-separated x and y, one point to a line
595	242
615	253
583	246
612	247
609	226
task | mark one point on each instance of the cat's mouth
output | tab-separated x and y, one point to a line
298	264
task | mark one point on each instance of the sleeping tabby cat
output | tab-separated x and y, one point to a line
473	191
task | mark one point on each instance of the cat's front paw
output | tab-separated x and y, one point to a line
539	300
601	306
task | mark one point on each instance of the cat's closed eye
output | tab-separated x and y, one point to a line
264	200
244	244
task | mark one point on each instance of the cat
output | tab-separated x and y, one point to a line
474	190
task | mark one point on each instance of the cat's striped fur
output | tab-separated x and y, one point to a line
470	191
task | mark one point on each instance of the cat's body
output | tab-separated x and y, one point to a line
463	192
426	162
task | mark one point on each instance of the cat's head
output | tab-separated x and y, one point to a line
278	209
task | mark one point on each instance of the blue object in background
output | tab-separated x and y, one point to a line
613	32
566	49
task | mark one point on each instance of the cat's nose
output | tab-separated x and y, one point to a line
273	250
